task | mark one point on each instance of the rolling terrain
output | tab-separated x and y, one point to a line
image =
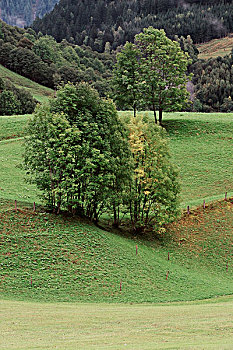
66	283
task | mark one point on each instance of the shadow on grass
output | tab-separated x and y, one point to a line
186	128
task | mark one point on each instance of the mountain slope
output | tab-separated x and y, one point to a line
22	12
95	23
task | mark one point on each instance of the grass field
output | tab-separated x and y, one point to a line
205	325
201	146
39	92
216	47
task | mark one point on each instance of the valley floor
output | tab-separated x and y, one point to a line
69	326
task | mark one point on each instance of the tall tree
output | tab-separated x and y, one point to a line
153	193
153	70
163	67
126	79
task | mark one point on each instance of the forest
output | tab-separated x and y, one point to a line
105	25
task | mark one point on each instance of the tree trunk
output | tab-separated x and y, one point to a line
154	110
116	222
160	115
134	110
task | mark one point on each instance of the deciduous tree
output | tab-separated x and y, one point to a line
153	195
154	68
77	152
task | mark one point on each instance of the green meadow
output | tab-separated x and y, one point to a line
68	284
202	325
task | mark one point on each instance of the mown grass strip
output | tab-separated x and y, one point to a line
100	326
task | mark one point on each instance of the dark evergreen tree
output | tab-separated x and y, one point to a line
95	23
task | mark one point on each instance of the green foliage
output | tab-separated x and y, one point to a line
77	152
153	70
14	100
193	139
42	59
163	67
153	192
45	47
127	80
2	84
213	80
8	103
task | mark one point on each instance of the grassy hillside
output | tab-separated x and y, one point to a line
216	47
52	258
13	126
39	92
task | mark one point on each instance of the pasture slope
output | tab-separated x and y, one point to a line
39	92
216	47
48	260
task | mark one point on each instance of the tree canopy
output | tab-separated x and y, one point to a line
153	195
153	72
77	152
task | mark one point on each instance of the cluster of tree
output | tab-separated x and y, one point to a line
87	161
23	12
41	59
151	73
14	100
107	24
213	81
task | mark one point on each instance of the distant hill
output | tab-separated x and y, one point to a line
22	12
108	24
215	48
